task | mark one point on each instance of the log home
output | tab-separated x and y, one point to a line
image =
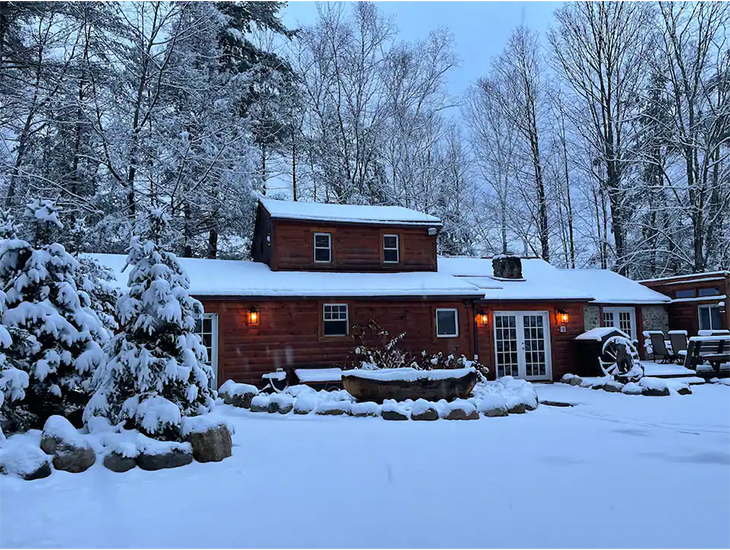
320	270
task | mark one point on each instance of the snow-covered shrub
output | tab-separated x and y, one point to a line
376	349
156	374
433	361
96	281
59	335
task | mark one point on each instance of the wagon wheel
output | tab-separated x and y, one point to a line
617	357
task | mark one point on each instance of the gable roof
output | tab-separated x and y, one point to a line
347	213
255	279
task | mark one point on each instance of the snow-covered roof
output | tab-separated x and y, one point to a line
695	277
540	281
255	279
609	287
599	333
347	213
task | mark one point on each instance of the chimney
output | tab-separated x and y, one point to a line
507	267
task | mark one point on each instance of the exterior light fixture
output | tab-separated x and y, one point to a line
563	317
253	317
482	319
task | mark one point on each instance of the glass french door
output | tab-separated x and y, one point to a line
522	344
622	318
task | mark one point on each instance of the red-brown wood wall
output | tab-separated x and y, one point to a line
563	348
289	333
355	247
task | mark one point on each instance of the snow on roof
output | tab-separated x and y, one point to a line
609	287
541	281
597	334
347	213
698	276
255	279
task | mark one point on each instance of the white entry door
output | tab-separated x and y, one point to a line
522	344
622	318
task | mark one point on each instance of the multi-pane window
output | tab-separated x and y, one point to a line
207	328
505	327
622	318
447	324
335	319
685	293
323	248
709	292
391	254
710	318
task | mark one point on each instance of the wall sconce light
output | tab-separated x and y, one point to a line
253	317
563	317
482	319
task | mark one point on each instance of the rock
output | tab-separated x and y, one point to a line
613	387
517	408
242	400
576	381
70	458
499	410
567	378
684	390
43	471
281	403
461	414
365	409
655	392
428	413
58	430
393	415
212	445
631	388
598	386
171	459
260	403
333	409
117	462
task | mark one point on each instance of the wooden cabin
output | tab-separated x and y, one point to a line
698	301
320	270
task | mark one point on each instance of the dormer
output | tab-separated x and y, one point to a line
304	236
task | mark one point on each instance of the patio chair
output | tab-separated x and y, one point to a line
678	339
659	346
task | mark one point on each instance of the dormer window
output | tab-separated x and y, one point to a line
391	254
323	248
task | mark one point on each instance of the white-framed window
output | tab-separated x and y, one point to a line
207	328
710	317
447	323
323	248
335	320
391	252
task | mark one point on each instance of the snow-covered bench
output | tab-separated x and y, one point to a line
320	379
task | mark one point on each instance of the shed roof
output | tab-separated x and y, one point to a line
347	213
609	287
255	279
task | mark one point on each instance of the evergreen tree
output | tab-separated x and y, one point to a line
156	374
41	300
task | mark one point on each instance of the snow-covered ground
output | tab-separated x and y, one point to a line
612	471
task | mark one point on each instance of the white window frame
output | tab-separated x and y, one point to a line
521	352
213	356
616	311
346	319
397	248
329	247
456	322
709	315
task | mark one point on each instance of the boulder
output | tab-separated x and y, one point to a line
684	390
365	409
117	462
496	410
576	381
516	407
305	403
655	391
613	387
424	412
281	403
70	458
260	403
25	460
44	470
461	414
212	445
173	458
333	409
242	400
393	415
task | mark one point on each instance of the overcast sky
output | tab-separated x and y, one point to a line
480	29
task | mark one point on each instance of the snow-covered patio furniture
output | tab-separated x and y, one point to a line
406	383
714	350
274	380
320	379
659	346
678	340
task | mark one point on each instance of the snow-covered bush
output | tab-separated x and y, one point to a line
56	334
376	349
156	374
